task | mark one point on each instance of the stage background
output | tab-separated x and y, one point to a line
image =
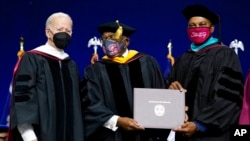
156	21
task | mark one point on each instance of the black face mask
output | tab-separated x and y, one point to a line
61	40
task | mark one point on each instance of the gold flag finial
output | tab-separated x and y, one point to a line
169	56
118	34
21	51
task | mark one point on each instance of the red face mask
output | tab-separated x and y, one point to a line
199	35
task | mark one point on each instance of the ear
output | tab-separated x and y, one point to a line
48	34
126	42
212	28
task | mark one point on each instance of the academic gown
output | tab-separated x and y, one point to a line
46	95
107	90
214	82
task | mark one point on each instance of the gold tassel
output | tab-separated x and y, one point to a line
118	34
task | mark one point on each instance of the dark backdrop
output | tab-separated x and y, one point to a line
156	21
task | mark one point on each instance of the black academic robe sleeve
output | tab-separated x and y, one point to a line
100	83
46	95
24	99
214	82
96	113
224	90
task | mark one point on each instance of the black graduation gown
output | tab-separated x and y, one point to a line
46	95
107	90
214	82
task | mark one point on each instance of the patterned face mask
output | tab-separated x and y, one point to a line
113	48
199	35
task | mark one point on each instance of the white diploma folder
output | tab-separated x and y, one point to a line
159	108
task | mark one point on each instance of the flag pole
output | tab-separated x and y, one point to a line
21	51
169	56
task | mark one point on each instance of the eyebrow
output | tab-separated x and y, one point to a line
200	22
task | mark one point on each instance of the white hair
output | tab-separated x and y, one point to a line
56	15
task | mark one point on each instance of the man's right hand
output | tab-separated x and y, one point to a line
128	124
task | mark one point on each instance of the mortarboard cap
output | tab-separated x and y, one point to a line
200	10
113	26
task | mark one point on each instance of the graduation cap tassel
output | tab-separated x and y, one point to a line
118	34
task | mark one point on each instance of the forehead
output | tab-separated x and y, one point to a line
198	19
61	22
107	34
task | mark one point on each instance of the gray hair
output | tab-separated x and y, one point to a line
55	15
